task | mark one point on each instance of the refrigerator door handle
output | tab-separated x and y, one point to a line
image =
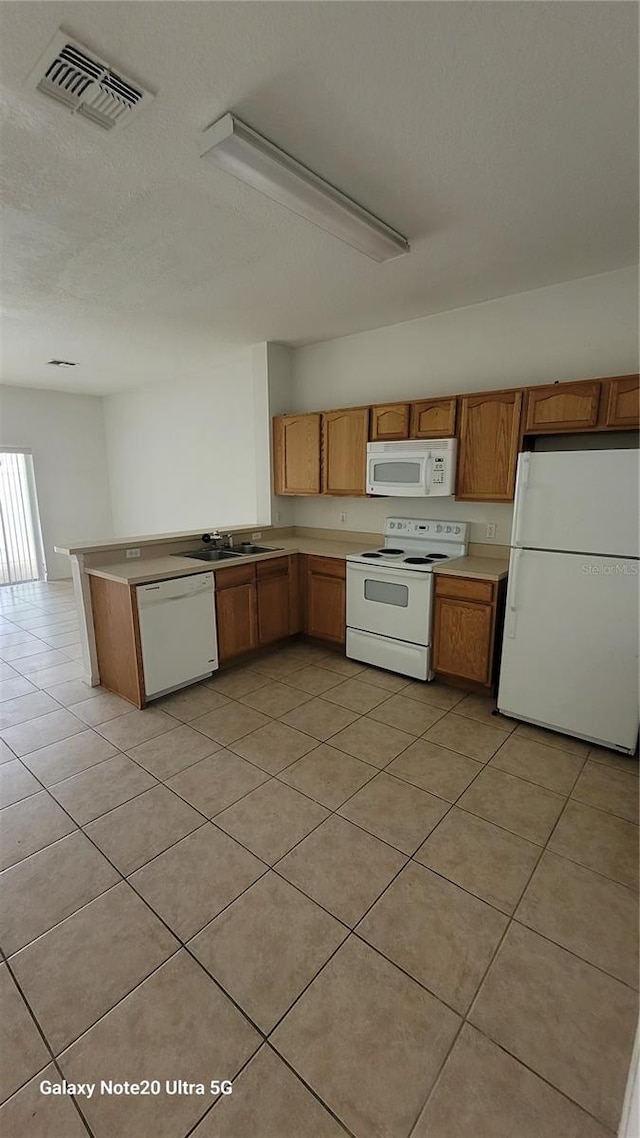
522	485
513	586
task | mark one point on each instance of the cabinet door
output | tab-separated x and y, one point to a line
563	407
344	451
433	419
622	405
273	607
389	421
463	639
237	624
296	454
488	446
325	601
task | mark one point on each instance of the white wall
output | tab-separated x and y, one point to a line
183	455
574	330
66	435
279	363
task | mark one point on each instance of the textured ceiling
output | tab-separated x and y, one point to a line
500	137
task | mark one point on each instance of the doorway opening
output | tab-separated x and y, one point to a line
21	552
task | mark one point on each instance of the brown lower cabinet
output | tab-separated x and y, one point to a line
324	584
256	604
117	637
237	624
467	627
273	599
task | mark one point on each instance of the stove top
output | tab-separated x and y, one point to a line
424	544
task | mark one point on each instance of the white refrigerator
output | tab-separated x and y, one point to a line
570	648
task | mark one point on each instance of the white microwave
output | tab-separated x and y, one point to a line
418	468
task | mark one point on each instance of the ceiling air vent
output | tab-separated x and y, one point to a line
86	85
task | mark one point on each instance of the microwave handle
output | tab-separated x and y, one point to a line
428	469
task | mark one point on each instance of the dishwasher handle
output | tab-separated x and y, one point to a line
175	589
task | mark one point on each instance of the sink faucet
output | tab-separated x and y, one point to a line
228	541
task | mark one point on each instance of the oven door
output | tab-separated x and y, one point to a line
395	475
392	602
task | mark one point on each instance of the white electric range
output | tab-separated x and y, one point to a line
390	594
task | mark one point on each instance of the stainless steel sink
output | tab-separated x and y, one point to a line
211	554
225	554
250	549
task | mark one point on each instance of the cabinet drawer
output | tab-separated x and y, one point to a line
467	588
235	575
327	566
272	568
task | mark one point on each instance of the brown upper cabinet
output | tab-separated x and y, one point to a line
344	451
296	454
488	434
433	419
562	407
623	403
389	421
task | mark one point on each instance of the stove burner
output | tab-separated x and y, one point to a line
391	551
372	555
433	556
418	560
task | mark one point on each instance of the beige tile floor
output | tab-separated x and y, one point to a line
377	908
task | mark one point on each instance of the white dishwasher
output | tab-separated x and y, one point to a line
177	632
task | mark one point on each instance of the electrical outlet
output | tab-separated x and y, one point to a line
132	553
491	531
256	536
343	518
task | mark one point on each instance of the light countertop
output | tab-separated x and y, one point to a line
487	568
143	571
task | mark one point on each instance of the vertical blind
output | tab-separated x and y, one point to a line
18	549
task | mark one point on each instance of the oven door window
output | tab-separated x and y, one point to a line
386	593
397	473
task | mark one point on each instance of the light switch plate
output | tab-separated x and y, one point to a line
491	531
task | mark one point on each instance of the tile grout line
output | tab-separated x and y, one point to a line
48	1047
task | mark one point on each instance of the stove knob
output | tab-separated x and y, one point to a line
392	525
448	530
438	529
457	529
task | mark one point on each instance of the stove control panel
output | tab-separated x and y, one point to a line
415	528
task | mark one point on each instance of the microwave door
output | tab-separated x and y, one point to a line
397	476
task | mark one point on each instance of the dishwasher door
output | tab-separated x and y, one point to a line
177	632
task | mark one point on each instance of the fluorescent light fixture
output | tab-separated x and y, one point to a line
241	151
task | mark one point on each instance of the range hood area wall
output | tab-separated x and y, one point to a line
368	514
